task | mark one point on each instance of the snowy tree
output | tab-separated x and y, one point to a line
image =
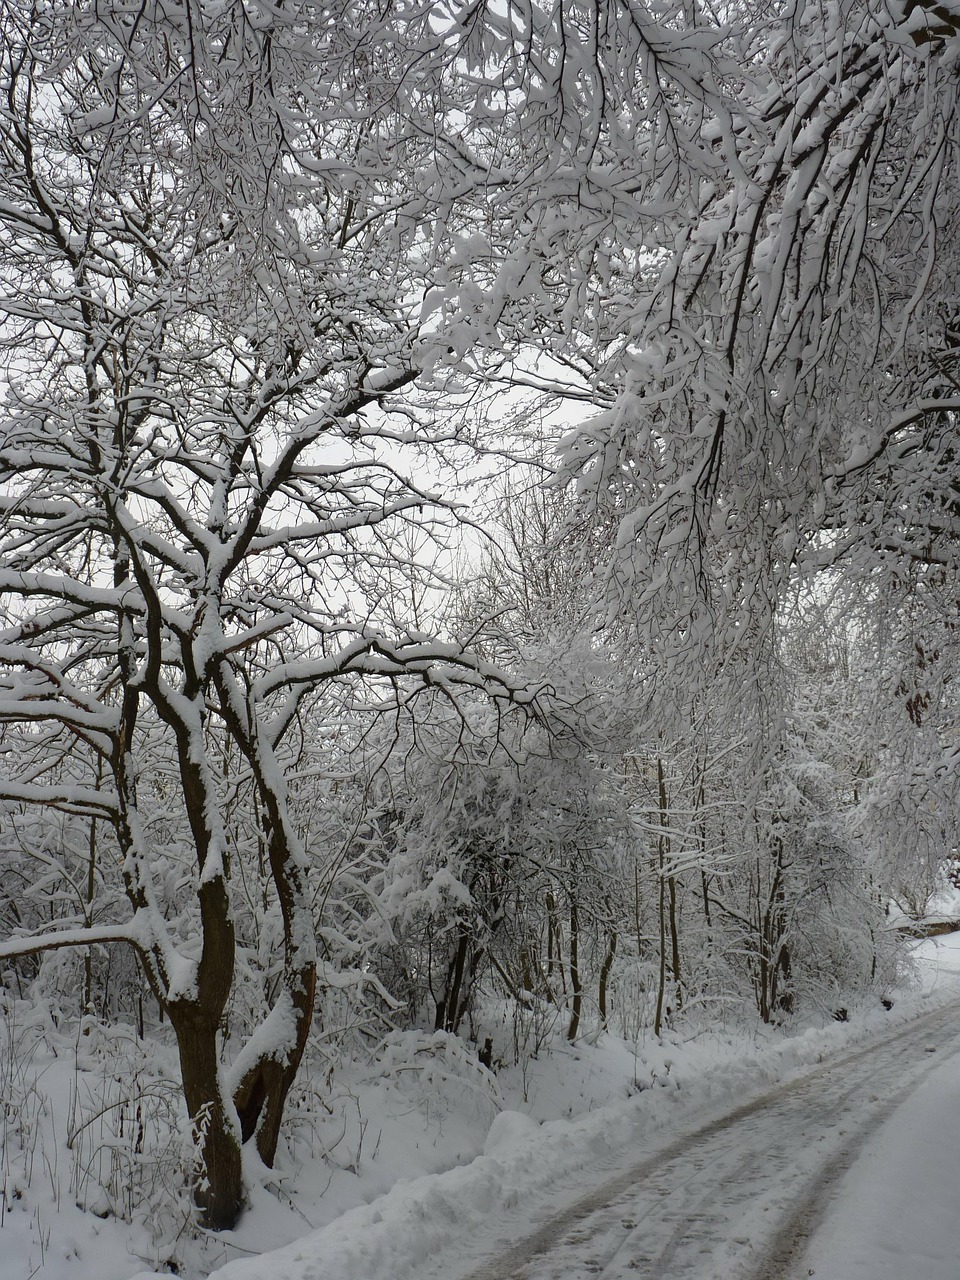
794	363
258	261
734	238
761	215
220	233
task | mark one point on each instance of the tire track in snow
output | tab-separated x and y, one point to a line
736	1198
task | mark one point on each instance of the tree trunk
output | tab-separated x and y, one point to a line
261	1095
674	939
663	849
218	1188
264	1081
605	968
576	984
553	937
452	1002
662	973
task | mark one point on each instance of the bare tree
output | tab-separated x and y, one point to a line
218	239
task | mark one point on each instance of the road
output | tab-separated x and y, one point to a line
736	1199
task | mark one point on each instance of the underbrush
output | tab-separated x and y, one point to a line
94	1130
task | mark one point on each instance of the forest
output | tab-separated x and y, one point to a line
479	537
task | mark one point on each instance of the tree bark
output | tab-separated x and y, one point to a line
605	969
218	1188
576	983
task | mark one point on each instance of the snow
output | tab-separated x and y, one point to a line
509	1129
895	1212
485	1205
437	1156
942	905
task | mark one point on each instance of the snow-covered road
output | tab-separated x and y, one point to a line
740	1197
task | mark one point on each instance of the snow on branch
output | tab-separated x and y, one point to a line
35	944
84	801
435	662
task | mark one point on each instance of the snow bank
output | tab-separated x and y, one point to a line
680	1085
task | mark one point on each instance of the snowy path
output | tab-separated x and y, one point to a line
737	1198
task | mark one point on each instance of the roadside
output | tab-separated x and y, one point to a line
732	1200
496	1199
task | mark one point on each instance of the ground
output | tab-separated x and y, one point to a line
414	1191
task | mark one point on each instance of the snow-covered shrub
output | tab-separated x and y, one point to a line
438	1073
93	1117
